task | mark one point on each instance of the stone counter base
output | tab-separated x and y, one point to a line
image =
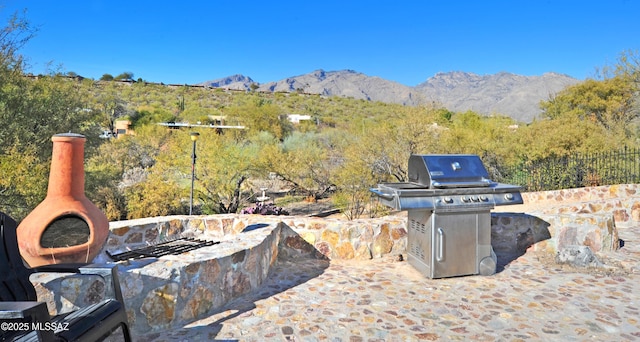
513	234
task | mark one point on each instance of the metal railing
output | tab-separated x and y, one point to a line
576	171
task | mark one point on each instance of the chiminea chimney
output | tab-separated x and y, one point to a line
66	227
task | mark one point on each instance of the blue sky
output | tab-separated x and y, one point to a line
188	42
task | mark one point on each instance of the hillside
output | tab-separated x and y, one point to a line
503	93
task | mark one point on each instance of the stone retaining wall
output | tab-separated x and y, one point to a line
596	193
334	238
554	219
585	216
621	201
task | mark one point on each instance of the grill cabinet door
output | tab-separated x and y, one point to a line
454	239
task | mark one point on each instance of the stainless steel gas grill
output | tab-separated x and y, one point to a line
449	200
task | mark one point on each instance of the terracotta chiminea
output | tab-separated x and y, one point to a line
66	226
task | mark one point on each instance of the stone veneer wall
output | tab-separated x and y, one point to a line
597	193
621	201
557	219
334	238
588	216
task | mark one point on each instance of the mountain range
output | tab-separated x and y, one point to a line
503	93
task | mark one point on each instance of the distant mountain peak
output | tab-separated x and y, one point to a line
236	82
502	93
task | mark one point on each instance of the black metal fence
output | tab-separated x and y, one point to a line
576	171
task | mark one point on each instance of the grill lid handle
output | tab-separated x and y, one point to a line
386	196
483	182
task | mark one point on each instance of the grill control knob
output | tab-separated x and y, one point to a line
475	198
448	200
483	198
465	199
508	197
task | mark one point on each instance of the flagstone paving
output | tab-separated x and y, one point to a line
529	299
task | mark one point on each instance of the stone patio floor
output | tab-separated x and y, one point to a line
528	299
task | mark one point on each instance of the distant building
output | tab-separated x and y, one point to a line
218	125
296	118
123	127
217	119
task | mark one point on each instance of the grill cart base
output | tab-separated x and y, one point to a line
449	200
450	244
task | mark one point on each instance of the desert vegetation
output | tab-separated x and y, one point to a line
348	146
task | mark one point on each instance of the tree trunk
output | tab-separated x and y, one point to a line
234	202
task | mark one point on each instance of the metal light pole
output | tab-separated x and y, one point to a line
194	137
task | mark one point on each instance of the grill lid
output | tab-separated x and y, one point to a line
448	171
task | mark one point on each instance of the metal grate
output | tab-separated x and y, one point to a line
171	247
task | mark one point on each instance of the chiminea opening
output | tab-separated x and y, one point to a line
67	230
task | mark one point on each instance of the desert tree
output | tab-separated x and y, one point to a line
110	105
260	115
125	76
224	172
610	99
303	161
120	170
31	112
609	102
